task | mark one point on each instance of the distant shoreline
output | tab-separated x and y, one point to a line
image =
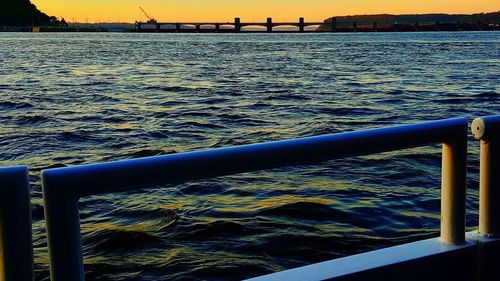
356	23
360	29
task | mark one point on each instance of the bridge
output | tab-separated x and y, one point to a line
236	26
327	26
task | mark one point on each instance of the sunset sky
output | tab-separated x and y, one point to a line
252	10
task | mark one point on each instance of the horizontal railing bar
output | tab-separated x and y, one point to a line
175	168
63	187
413	261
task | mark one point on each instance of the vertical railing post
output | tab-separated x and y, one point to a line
487	130
63	231
16	246
453	189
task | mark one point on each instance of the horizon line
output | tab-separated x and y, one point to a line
313	20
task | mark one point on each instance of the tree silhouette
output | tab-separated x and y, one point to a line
21	13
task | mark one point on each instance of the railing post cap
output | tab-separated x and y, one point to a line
478	128
486	127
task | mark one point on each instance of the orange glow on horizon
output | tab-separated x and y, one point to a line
255	10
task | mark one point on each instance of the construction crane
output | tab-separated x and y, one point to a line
150	19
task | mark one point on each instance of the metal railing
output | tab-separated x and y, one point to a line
63	187
16	250
487	130
16	254
487	238
476	260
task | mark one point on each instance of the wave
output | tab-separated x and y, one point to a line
488	95
175	89
306	210
112	240
201	231
149	152
31	120
8	105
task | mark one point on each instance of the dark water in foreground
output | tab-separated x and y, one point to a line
68	99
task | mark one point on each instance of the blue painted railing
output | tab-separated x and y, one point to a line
454	255
16	251
63	187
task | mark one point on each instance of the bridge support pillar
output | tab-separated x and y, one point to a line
301	25
139	27
354	26
334	24
269	24
375	26
237	24
417	26
158	27
178	27
217	27
197	28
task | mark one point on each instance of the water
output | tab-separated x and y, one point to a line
69	99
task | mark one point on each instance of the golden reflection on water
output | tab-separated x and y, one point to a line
121	126
415	214
142	226
273	130
282	200
171	255
142	107
331	184
78	72
119	260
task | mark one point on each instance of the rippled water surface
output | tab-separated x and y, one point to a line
68	99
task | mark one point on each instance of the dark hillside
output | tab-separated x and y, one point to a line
460	21
21	13
403	19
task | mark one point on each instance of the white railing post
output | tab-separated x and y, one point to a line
453	190
487	130
16	251
487	238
